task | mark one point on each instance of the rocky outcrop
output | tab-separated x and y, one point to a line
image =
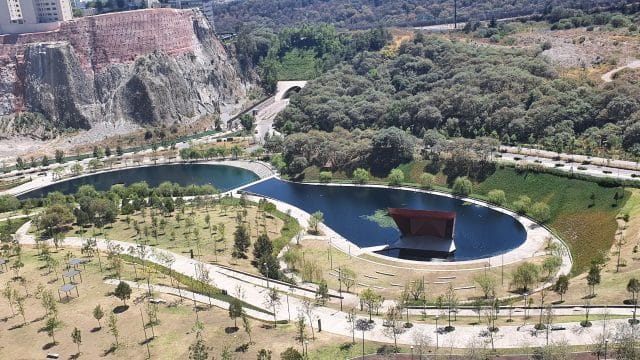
154	66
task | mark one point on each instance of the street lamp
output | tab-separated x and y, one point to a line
525	307
606	342
266	269
411	352
437	342
306	347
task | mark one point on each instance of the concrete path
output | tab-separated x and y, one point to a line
253	291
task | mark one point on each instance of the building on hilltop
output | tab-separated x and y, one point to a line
21	16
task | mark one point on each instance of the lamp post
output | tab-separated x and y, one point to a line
306	347
606	343
525	307
340	284
437	342
411	352
266	269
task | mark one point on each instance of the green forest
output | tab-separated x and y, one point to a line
364	14
511	95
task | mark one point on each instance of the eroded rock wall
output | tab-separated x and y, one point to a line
148	66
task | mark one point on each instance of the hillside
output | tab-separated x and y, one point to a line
146	67
359	14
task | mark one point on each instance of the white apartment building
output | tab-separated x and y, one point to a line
19	16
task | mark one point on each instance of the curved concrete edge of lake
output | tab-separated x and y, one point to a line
536	238
261	169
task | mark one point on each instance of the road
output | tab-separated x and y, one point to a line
579	164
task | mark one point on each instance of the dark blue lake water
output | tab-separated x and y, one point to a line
479	231
221	177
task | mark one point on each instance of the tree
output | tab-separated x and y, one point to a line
113	327
198	350
98	314
347	278
396	177
462	186
262	247
241	242
372	300
487	283
561	286
525	275
272	300
360	176
76	337
322	294
291	354
497	197
59	155
264	354
45	161
123	291
246	324
20	304
593	278
325	176
54	219
247	121
390	147
235	311
315	220
51	326
551	265
633	286
393	324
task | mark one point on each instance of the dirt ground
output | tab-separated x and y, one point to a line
173	334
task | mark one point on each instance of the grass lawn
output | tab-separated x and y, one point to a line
587	225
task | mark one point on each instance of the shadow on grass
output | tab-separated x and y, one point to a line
230	329
110	350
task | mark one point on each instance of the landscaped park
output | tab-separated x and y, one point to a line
179	270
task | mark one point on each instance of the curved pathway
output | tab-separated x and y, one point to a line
336	322
608	77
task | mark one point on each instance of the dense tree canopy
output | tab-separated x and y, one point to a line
357	14
461	90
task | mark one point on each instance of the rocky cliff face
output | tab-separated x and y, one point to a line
155	66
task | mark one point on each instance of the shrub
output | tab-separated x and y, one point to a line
497	197
396	177
462	186
540	211
545	45
521	206
427	180
325	176
360	176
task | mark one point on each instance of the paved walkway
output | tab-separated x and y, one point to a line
336	322
608	77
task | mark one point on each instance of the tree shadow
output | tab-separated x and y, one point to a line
74	356
48	346
230	329
146	341
15	327
243	348
120	309
96	329
110	350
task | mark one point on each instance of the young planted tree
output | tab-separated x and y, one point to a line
314	221
393	324
372	301
241	242
525	276
246	324
113	327
452	303
593	278
76	337
235	311
347	278
322	294
51	326
8	294
272	300
20	305
123	291
487	283
561	286
98	314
